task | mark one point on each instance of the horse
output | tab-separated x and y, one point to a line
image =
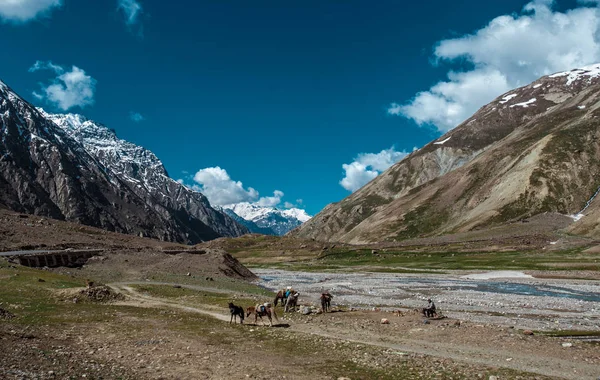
292	302
260	311
281	295
326	302
236	311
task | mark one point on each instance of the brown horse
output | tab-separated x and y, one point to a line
326	302
280	296
260	311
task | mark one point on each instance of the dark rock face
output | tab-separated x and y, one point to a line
45	171
144	174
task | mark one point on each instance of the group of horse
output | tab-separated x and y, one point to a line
288	299
259	311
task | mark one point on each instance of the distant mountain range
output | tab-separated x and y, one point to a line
68	167
533	150
266	220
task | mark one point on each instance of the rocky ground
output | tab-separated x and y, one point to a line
163	315
505	298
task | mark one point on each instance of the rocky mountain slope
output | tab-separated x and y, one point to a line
267	220
532	150
52	171
143	172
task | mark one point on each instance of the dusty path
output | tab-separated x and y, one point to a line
136	298
474	344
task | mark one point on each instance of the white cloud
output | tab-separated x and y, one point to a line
136	117
68	89
271	201
131	10
368	166
288	205
220	189
509	52
20	11
216	184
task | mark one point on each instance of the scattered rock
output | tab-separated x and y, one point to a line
177	286
567	344
493	377
426	321
306	310
385	321
527	332
41	280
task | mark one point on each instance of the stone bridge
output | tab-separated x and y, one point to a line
53	259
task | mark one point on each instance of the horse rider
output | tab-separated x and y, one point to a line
288	291
429	311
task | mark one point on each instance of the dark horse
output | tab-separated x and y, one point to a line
281	295
261	311
236	311
326	302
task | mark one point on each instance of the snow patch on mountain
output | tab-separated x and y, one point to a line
524	104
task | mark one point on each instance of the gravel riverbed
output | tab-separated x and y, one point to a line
504	298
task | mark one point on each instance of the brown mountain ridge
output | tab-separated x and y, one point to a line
533	150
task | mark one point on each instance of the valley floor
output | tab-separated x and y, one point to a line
181	330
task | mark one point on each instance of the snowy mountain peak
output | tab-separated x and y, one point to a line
297	213
280	221
589	72
103	142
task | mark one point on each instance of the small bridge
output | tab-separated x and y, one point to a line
52	258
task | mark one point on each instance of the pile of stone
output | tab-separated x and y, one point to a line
99	293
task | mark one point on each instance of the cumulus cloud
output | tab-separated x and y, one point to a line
68	89
136	117
368	166
511	51
20	11
220	189
271	201
216	184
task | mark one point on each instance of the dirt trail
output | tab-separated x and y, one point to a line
136	298
476	344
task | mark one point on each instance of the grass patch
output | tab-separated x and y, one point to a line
432	262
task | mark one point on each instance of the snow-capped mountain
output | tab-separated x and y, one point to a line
279	221
143	172
82	172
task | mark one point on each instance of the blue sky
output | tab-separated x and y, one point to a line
284	102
